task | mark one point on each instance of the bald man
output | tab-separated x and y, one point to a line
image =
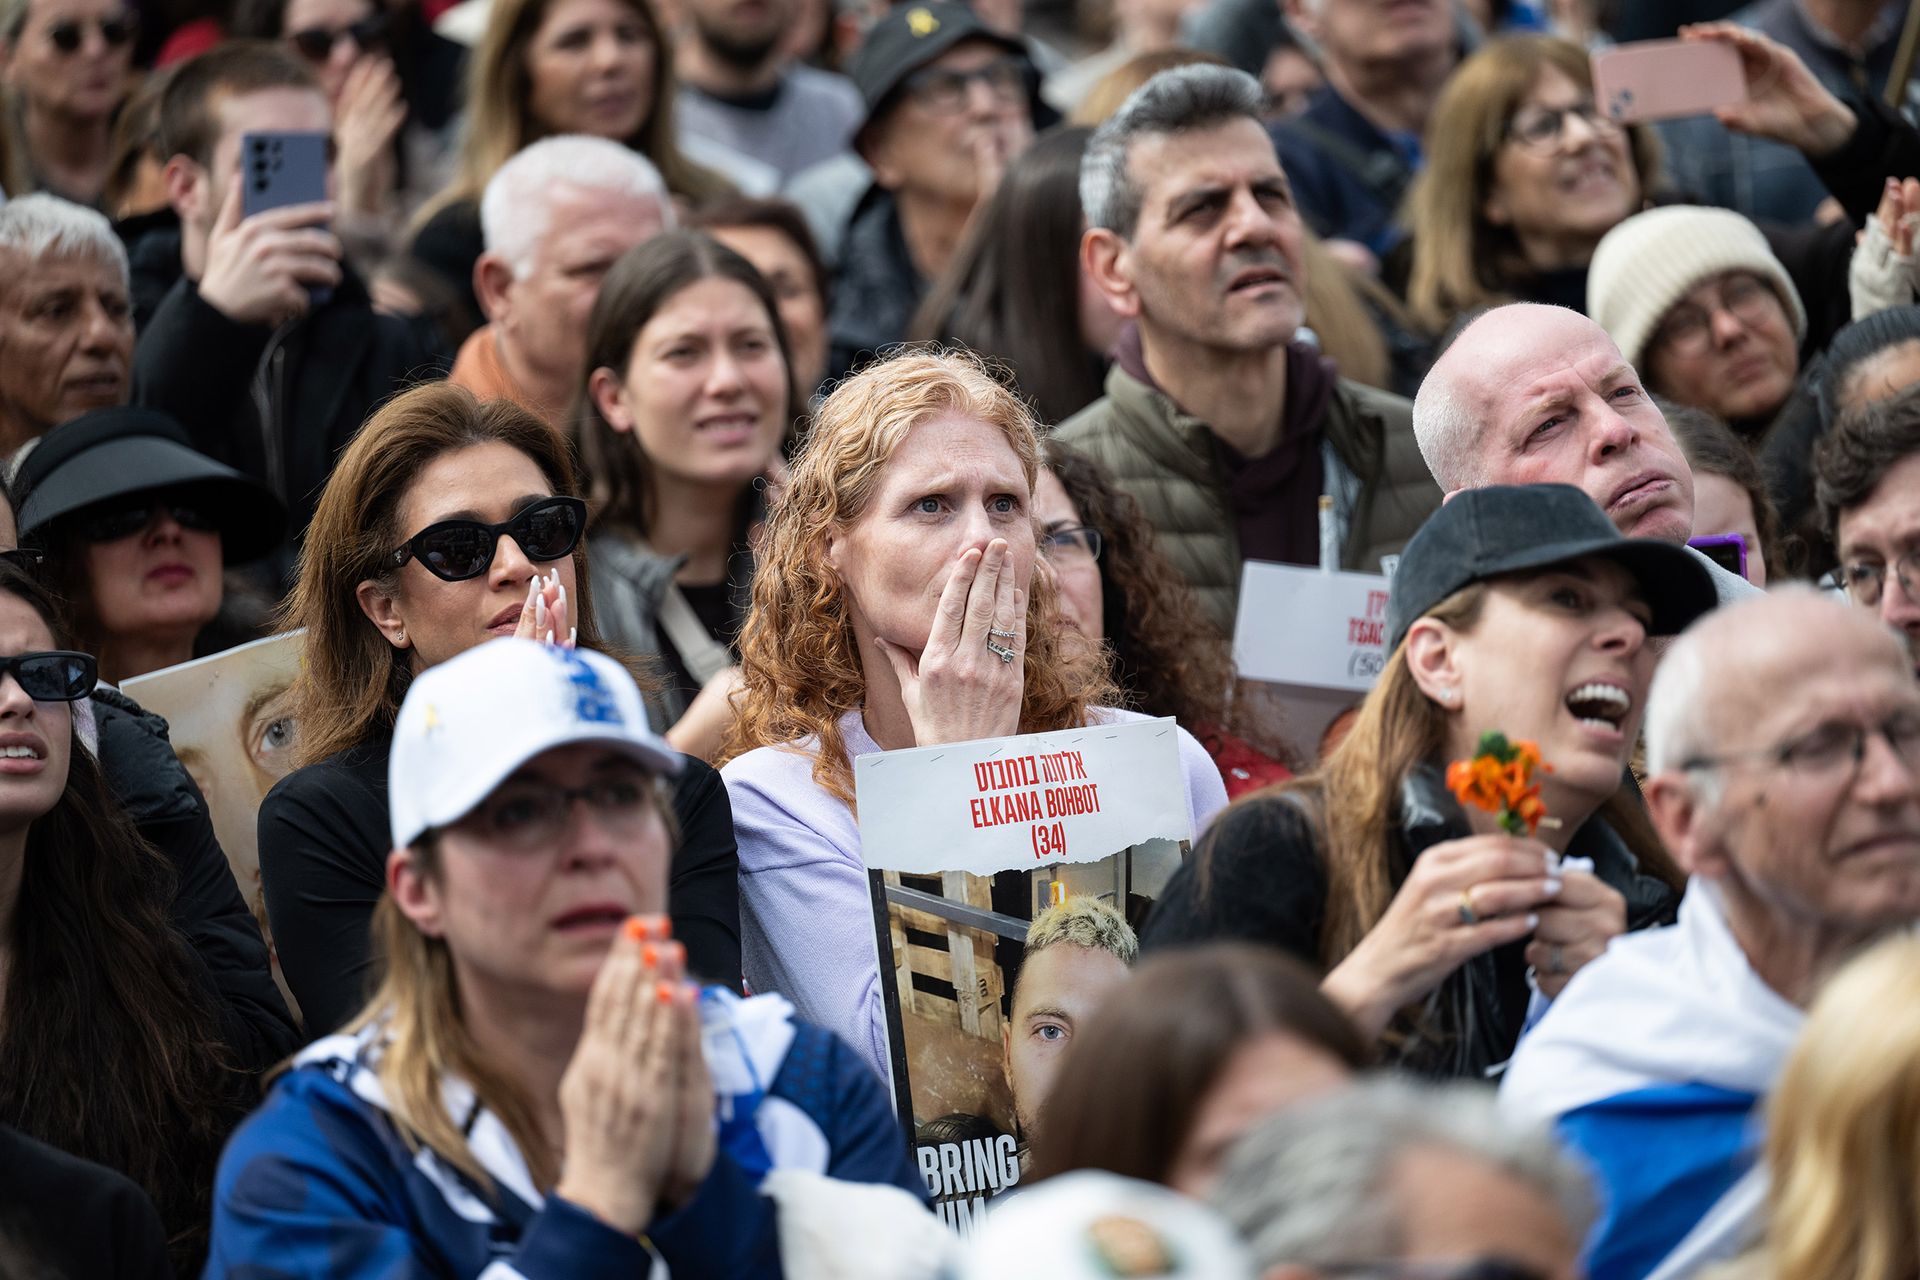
1782	738
1531	394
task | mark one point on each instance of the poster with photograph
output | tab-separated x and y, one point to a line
228	718
964	845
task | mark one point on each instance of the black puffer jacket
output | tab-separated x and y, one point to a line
1259	875
159	795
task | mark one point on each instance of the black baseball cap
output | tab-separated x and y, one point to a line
907	39
1510	528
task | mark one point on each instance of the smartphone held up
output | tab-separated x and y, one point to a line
1666	79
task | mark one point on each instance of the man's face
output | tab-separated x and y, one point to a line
544	317
1455	1210
1059	987
1555	403
66	341
740	32
263	111
1355	32
1215	258
955	125
1807	842
1876	535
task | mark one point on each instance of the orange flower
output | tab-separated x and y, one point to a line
1499	779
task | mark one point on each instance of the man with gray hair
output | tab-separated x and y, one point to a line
1394	1178
556	217
1783	737
66	328
1225	428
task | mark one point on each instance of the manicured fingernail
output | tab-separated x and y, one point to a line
636	928
573	637
1533	921
533	587
665	992
1552	886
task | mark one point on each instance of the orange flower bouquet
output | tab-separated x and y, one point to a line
1499	779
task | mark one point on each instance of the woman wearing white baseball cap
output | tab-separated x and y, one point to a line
532	1090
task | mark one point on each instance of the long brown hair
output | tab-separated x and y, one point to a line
351	680
1461	261
500	121
109	1044
797	652
1137	1073
620	475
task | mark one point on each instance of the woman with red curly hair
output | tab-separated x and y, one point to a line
895	605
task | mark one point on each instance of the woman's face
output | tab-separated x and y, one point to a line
161	580
591	66
30	783
1720	507
1727	347
73	57
1264	1076
435	619
1562	178
331	19
1559	657
705	393
537	912
1076	574
803	306
954	484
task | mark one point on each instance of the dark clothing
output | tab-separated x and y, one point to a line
1710	164
69	1219
1348	175
324	841
1276	497
879	288
151	784
153	257
713	605
281	404
450	242
1259	875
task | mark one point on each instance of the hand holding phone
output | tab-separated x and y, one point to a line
265	268
1666	79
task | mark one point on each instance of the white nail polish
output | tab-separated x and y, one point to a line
1533	921
1553	886
573	637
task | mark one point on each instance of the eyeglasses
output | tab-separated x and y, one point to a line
1077	545
943	90
110	524
1472	1269
1688	328
1541	128
529	816
1865	580
455	550
53	675
1821	754
68	36
315	44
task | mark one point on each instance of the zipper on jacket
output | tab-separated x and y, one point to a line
270	392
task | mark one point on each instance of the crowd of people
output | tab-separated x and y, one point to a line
652	409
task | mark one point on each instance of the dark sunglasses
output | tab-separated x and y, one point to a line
55	675
68	36
315	44
455	550
111	524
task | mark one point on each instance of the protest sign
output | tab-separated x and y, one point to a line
964	844
1319	637
228	718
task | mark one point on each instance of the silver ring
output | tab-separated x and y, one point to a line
1467	915
1004	635
1000	651
1556	960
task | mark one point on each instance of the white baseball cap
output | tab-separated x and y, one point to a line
1095	1224
470	722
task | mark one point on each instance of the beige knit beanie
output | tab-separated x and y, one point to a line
1654	259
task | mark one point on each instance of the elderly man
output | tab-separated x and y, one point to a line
1392	1178
1225	429
1782	739
1533	394
66	330
556	217
1867	479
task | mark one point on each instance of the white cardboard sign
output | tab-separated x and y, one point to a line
1302	626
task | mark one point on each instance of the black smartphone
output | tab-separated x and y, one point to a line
280	169
1728	550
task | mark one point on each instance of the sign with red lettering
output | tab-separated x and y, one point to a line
1320	637
965	844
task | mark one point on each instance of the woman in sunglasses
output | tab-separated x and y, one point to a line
68	63
688	395
109	1044
136	527
447	522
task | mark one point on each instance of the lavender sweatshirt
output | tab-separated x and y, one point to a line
806	914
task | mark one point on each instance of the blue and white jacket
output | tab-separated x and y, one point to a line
1652	1065
318	1181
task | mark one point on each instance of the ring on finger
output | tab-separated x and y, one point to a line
1000	651
1004	635
1468	916
1556	960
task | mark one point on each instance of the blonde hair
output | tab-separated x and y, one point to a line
1461	261
798	657
1084	922
499	120
1843	1128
